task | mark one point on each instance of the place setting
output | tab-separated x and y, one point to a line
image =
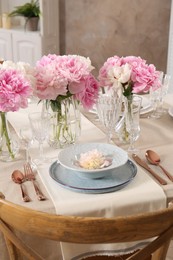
93	168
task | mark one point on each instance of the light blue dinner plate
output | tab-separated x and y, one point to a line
115	181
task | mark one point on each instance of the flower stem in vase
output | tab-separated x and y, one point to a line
65	122
6	150
122	132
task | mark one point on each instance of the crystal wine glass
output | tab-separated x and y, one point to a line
155	98
26	137
164	91
40	123
109	111
132	121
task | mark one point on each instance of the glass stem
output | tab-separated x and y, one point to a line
41	150
161	105
27	155
109	136
154	108
132	143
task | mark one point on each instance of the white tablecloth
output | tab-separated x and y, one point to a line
141	195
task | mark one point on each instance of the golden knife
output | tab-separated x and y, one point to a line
145	166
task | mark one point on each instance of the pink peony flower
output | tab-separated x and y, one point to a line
66	75
14	90
90	91
25	68
131	73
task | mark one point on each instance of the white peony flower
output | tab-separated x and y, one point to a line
125	73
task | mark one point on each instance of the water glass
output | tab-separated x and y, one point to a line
109	110
40	123
165	84
133	107
155	98
26	138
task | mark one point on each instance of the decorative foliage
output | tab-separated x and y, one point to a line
29	10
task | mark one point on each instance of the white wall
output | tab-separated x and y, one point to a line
7	6
170	51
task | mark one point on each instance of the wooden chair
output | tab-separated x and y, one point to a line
86	230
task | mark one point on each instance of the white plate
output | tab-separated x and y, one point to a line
67	157
118	179
170	111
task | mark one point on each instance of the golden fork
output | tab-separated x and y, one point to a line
30	176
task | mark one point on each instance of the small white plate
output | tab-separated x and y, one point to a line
170	111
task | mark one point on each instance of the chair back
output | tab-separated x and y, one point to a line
86	230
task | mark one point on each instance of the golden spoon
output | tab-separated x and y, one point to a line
154	159
18	177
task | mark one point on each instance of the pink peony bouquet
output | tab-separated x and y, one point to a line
130	73
59	77
15	86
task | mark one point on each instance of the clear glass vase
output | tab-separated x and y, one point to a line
65	122
122	131
8	144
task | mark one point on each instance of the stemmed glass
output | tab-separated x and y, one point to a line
156	98
109	111
26	140
155	102
132	121
164	91
40	123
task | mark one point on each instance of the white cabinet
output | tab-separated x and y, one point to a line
26	47
5	45
19	45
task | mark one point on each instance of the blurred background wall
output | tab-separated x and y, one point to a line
103	28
